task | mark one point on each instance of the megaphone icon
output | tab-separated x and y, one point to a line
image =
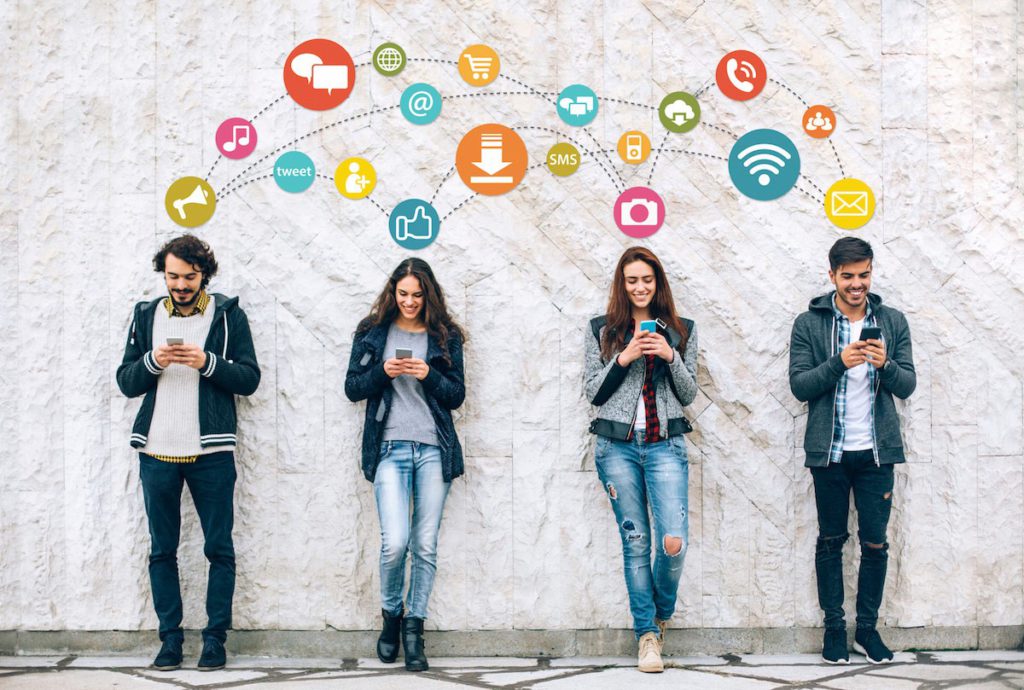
198	196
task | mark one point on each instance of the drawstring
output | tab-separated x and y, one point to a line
224	352
133	332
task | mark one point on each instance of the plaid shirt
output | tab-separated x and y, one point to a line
653	430
839	418
201	303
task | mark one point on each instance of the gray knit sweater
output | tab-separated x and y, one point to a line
616	389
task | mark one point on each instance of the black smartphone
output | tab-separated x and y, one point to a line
871	333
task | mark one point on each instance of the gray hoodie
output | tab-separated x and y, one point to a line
616	389
815	367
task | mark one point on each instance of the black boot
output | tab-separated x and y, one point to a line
387	643
412	638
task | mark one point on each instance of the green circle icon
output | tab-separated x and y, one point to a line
679	112
389	59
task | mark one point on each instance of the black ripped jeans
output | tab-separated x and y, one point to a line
872	495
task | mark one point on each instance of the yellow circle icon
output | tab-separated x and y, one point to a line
849	203
190	201
634	147
355	178
479	65
563	159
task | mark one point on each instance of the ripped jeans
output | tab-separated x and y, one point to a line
636	474
872	494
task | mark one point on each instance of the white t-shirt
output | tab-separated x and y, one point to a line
858	401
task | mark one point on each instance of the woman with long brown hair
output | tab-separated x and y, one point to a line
640	372
406	362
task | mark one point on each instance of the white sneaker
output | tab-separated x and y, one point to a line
649	657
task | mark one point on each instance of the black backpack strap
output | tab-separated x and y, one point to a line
596	324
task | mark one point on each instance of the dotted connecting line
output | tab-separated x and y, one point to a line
842	170
723	130
811	182
381	208
249	181
486	93
655	163
476	194
795	94
702	89
619	100
583	148
372	111
810	196
262	110
546	95
441	183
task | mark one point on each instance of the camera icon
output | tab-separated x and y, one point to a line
640	212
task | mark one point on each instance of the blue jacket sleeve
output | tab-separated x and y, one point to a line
449	387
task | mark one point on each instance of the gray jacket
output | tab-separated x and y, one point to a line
816	365
616	389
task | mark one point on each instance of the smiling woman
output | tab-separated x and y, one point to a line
640	370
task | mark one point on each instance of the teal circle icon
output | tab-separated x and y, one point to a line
764	164
414	224
389	59
421	104
679	112
577	105
294	172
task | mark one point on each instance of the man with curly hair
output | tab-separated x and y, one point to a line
189	354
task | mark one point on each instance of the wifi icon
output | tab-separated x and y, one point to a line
764	164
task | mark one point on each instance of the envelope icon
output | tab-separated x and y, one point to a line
849	203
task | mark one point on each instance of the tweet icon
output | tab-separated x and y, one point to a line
414	224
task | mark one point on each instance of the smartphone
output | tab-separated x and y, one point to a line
650	326
871	333
175	341
403	353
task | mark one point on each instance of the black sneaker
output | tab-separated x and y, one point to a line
213	656
169	656
869	643
834	650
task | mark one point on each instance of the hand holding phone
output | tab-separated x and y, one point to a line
175	341
403	353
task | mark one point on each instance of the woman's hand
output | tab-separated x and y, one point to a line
655	344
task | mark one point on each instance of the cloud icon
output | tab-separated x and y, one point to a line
679	111
303	64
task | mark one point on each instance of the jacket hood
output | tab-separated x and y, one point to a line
824	302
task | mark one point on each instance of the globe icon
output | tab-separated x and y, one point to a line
389	60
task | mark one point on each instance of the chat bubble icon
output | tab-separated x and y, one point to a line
303	65
330	77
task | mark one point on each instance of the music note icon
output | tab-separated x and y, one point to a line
236	138
230	146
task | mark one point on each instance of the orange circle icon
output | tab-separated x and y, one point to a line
819	121
634	147
319	74
491	159
479	65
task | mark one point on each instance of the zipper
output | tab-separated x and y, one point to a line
832	351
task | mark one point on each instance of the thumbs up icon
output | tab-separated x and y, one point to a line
419	227
414	224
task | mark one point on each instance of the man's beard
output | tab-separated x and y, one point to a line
192	300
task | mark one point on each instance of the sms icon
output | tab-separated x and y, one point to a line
563	159
319	74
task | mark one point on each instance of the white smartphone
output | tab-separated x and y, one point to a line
175	341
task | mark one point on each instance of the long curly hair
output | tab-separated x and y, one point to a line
439	323
620	310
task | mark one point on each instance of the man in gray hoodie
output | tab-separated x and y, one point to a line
848	356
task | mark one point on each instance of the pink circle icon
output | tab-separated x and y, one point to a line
639	212
236	138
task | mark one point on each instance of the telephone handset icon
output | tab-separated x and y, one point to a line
731	69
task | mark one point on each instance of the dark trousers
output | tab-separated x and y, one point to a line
872	494
211	481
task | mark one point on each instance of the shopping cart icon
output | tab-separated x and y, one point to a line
480	66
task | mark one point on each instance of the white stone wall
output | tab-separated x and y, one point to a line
104	104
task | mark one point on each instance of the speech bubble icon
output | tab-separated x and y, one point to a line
303	64
330	77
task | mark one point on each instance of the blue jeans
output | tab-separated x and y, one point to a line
636	474
211	481
408	473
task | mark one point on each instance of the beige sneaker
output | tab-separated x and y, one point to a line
649	657
662	628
